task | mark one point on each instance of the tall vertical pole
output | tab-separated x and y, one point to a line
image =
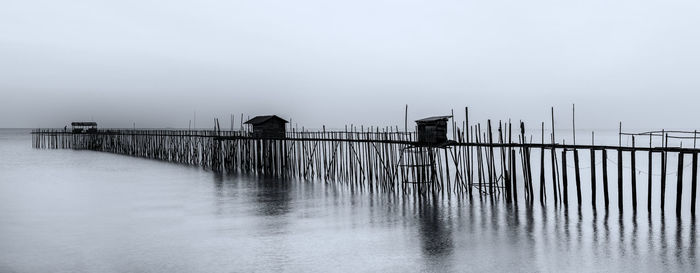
564	176
605	179
554	168
694	181
679	184
573	121
633	173
663	172
578	178
619	170
469	163
593	186
649	176
694	178
619	179
405	120
593	172
619	136
543	192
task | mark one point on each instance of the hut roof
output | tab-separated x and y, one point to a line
262	119
83	123
433	119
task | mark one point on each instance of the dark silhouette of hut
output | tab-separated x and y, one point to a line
268	126
432	130
87	126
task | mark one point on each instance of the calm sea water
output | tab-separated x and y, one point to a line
83	211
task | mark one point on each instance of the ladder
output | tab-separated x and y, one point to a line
417	165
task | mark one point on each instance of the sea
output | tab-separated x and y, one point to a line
85	211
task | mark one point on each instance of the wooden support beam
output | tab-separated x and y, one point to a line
605	179
620	198
593	182
578	179
679	184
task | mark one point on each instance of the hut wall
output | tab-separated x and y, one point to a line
269	129
433	132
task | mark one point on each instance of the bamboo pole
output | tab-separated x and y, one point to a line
619	181
593	182
564	178
605	179
633	175
578	179
679	184
694	183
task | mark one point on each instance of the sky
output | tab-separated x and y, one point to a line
157	63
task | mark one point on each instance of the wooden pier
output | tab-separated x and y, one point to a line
475	163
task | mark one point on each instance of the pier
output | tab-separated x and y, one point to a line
491	160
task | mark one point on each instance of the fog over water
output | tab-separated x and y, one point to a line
85	211
157	62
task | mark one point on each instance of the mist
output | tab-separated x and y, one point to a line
157	63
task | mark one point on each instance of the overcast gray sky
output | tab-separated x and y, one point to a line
337	62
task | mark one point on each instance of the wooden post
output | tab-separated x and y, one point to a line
578	178
564	178
573	122
479	160
605	179
649	176
679	184
619	179
694	182
663	176
512	174
554	165
619	136
447	168
405	120
542	182
593	174
633	173
513	177
468	153
529	175
526	154
490	163
554	176
504	164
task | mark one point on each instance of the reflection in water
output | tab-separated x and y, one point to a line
633	236
273	196
663	244
621	235
691	241
579	227
606	235
679	244
539	238
435	230
190	220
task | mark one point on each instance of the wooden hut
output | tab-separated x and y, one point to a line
270	126
83	126
432	130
